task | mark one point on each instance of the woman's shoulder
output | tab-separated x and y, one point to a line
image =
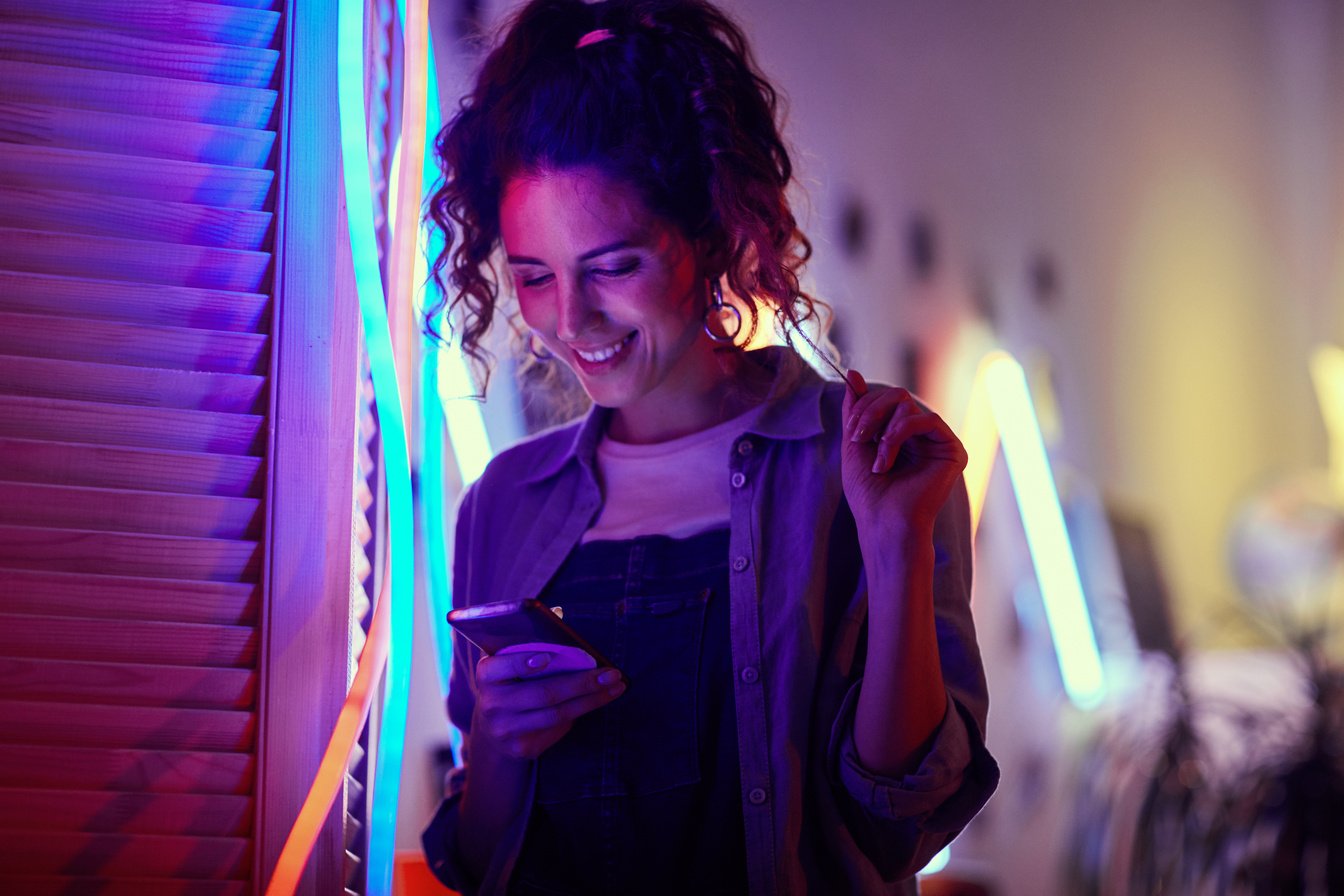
535	458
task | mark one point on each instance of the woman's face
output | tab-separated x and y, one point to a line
614	291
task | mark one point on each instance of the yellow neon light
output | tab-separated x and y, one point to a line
1327	374
1001	385
981	438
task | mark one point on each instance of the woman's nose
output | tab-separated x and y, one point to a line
574	313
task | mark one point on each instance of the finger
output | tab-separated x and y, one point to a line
546	718
525	695
872	412
926	434
857	387
510	666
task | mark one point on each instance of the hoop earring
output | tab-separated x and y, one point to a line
543	354
716	310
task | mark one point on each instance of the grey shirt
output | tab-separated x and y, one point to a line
816	821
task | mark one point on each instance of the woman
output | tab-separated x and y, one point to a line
777	566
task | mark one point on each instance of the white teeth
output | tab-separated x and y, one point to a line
603	354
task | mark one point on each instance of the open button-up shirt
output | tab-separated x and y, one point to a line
816	820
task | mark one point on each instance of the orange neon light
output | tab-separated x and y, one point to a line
331	772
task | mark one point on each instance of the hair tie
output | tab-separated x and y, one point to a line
595	36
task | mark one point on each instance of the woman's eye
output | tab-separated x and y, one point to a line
619	270
535	280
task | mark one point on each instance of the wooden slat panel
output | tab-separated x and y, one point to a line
141	261
142	386
128	597
127	684
247	4
118	554
41	167
166	306
123	510
162	20
135	218
157	771
131	94
65	885
24	460
104	51
120	727
135	135
116	342
127	813
113	855
127	641
170	428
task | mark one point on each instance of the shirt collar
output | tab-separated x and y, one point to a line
792	411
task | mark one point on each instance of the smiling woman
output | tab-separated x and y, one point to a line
776	566
619	296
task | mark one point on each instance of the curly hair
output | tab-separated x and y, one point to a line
672	104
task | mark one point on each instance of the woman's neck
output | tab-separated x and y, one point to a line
743	385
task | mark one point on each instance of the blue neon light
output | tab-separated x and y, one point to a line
396	460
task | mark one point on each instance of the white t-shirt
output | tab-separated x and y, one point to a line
676	488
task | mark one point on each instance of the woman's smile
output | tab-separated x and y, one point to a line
618	295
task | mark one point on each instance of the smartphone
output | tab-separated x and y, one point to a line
526	626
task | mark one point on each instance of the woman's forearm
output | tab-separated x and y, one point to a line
496	791
903	698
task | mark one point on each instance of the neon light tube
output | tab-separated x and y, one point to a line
442	406
1047	538
1327	374
330	776
938	862
396	457
980	435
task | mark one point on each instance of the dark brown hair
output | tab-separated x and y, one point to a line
671	104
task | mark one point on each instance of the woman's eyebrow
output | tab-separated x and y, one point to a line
591	253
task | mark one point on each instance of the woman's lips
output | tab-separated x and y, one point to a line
604	357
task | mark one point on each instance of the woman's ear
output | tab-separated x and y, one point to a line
711	256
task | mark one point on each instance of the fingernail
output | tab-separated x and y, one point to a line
881	459
860	434
538	660
609	676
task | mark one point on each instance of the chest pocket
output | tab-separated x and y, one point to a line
646	741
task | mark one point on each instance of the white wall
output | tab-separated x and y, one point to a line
1179	162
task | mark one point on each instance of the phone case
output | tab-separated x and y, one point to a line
526	626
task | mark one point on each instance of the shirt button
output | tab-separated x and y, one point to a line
740	563
739	480
749	675
744	447
756	796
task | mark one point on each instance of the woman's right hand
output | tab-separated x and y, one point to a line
524	710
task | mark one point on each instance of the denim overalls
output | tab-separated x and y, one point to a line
643	795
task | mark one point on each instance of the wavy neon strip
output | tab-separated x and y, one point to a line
392	426
331	771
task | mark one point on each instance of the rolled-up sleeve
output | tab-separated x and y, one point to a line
953	782
901	822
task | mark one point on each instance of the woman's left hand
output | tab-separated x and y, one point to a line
899	460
